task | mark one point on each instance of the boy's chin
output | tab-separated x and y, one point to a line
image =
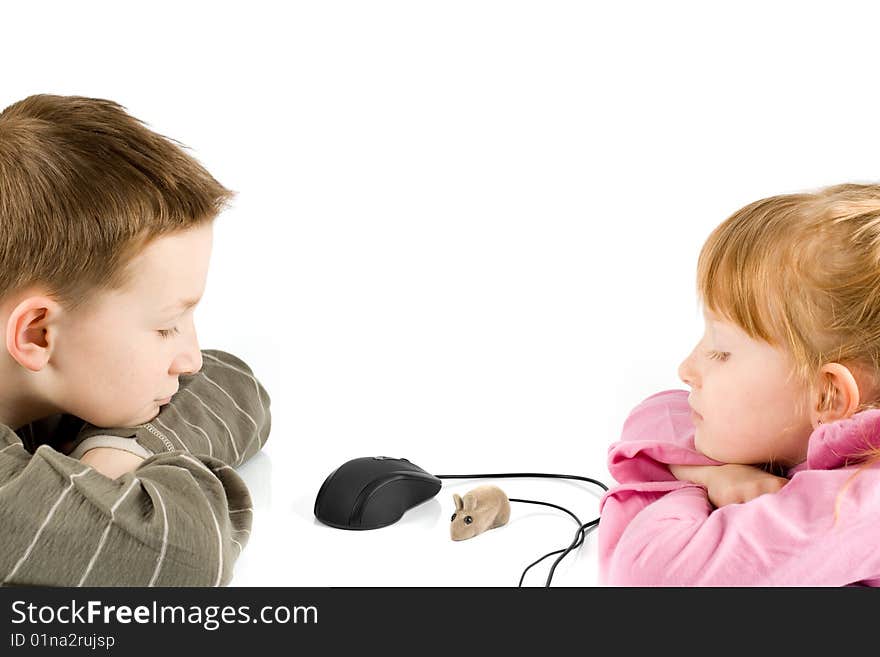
137	420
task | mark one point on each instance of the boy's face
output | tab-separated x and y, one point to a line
740	387
112	364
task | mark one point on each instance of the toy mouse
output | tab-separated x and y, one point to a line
482	508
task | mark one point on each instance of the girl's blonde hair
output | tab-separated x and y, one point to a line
84	187
802	273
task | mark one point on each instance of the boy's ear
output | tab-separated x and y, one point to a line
837	395
29	331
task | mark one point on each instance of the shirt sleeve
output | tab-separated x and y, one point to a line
658	432
179	519
662	535
222	412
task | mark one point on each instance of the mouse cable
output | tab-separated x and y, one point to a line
524	474
582	529
578	539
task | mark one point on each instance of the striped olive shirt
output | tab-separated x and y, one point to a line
181	518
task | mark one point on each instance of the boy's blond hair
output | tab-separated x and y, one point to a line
84	187
802	273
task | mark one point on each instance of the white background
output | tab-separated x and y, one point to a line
466	232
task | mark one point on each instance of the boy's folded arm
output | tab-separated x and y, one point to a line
178	520
669	534
112	462
658	432
222	411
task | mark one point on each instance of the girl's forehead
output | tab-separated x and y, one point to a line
710	316
723	327
712	320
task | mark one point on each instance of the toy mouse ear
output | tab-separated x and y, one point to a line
458	503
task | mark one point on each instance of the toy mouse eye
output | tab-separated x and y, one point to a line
453	516
468	520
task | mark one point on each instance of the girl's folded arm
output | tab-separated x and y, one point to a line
658	432
788	538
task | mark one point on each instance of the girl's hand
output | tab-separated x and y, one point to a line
730	483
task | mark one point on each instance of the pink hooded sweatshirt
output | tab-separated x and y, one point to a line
657	531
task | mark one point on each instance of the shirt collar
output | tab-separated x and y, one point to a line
838	444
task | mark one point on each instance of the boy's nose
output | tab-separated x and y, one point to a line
198	360
192	357
195	361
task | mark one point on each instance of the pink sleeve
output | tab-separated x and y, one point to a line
673	537
657	432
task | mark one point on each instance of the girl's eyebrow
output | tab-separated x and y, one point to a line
182	305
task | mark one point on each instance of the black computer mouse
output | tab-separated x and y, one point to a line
373	492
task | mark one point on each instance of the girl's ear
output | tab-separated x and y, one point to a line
458	503
837	395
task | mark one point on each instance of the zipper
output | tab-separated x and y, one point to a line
153	430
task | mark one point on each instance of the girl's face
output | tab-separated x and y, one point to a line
746	408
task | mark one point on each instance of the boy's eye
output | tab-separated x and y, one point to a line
718	355
167	333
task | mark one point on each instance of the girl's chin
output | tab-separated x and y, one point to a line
699	445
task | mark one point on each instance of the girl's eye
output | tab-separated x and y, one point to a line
718	355
167	333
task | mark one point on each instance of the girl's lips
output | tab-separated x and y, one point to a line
695	416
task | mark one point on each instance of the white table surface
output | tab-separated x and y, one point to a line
290	547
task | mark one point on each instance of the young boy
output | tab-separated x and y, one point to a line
118	435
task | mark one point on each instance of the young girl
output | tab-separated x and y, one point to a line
768	472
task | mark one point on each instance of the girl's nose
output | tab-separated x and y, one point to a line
685	372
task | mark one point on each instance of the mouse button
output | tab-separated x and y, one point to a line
341	487
333	505
358	473
384	502
319	498
418	474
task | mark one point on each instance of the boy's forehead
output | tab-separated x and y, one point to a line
172	270
155	276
